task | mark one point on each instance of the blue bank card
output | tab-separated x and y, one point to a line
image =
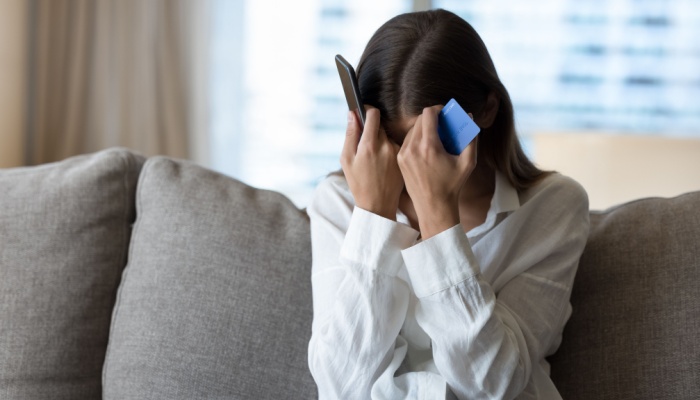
455	128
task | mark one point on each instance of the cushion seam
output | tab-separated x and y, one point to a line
128	253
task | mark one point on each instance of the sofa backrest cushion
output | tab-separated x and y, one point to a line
216	299
635	328
64	237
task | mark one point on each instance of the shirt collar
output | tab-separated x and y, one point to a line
505	199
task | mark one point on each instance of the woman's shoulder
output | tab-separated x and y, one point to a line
332	193
556	189
558	181
334	184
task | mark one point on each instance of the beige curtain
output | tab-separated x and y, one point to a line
13	15
106	73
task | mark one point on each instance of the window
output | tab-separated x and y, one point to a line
628	66
278	111
278	115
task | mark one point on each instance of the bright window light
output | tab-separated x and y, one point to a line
277	106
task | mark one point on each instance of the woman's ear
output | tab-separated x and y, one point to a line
488	114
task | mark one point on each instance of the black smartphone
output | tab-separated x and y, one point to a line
350	87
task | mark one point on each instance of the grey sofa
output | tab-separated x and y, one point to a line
127	278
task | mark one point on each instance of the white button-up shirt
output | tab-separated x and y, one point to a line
472	315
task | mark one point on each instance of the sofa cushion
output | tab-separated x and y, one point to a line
635	329
216	299
64	236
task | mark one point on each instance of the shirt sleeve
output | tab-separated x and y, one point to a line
486	343
359	301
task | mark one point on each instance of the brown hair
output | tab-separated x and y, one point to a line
421	59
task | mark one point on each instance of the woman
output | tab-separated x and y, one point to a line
437	275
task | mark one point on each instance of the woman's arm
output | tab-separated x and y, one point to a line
359	302
486	344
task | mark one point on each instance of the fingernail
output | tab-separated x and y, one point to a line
351	116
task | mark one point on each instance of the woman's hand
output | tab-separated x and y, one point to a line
369	163
433	177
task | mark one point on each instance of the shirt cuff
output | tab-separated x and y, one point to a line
376	242
440	262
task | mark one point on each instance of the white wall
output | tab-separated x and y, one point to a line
13	17
619	168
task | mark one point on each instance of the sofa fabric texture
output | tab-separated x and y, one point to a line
215	302
635	328
64	236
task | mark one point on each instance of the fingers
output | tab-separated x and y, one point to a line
410	135
352	138
430	121
372	120
467	159
356	137
424	130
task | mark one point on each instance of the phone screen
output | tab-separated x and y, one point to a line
350	87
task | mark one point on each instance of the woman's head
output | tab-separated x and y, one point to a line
420	59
